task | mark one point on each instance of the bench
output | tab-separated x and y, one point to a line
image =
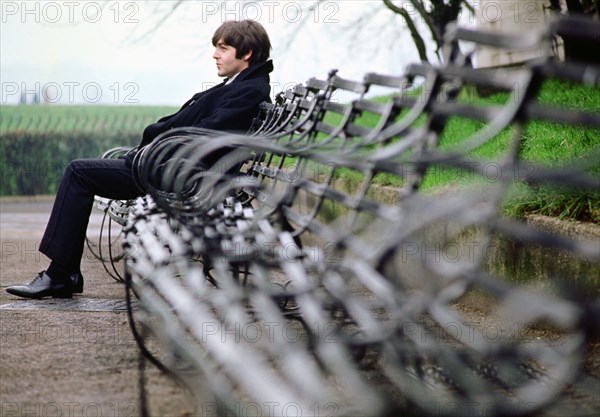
279	288
289	104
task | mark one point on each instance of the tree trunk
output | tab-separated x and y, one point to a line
576	49
417	39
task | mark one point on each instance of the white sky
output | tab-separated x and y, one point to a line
101	52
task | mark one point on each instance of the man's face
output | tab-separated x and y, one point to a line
227	64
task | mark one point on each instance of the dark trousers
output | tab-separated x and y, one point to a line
64	238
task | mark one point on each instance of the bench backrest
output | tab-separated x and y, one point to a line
284	240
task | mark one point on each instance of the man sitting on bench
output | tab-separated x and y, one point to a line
242	50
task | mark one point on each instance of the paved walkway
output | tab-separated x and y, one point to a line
69	357
77	357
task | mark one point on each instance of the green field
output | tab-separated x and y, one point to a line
543	143
61	133
53	118
37	141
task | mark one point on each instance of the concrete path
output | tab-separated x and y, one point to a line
78	358
70	357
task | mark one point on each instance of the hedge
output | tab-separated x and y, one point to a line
32	163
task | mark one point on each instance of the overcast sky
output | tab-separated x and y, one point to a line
106	52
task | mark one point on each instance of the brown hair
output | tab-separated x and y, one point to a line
245	36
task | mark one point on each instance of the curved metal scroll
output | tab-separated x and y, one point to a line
278	288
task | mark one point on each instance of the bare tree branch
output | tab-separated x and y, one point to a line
302	23
435	33
163	19
417	39
467	6
442	11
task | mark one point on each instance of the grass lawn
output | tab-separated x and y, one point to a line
75	118
543	144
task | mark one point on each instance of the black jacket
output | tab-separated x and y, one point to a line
223	107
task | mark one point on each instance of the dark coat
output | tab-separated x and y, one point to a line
223	107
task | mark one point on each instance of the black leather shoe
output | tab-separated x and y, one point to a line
43	286
77	280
